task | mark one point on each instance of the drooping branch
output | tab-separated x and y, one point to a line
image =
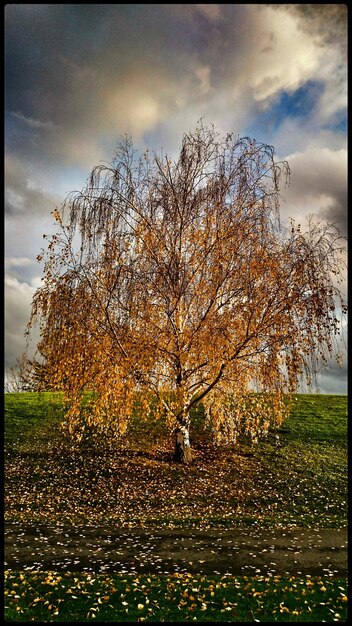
173	280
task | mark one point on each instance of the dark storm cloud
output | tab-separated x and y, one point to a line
319	185
70	59
329	21
336	213
42	72
46	34
85	72
22	198
65	46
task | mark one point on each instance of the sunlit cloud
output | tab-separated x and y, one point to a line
279	55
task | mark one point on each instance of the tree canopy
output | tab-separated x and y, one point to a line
171	283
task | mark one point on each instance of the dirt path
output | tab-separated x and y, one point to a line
109	549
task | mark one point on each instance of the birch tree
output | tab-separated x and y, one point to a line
170	283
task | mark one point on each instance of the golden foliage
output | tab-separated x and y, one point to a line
174	280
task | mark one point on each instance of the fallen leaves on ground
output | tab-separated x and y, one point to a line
129	486
54	597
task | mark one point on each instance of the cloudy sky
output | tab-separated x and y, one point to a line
78	76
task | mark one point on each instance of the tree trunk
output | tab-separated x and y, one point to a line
183	453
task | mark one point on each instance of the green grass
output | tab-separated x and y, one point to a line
31	420
86	597
302	482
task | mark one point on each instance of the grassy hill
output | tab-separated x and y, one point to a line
299	480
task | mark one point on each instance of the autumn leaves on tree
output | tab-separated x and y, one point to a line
171	283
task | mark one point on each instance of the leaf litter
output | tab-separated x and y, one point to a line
56	501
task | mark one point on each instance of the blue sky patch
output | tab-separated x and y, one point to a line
297	104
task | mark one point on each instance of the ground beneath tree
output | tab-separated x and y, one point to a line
108	549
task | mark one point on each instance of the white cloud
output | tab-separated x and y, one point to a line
273	51
278	54
18	298
334	75
33	123
18	262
